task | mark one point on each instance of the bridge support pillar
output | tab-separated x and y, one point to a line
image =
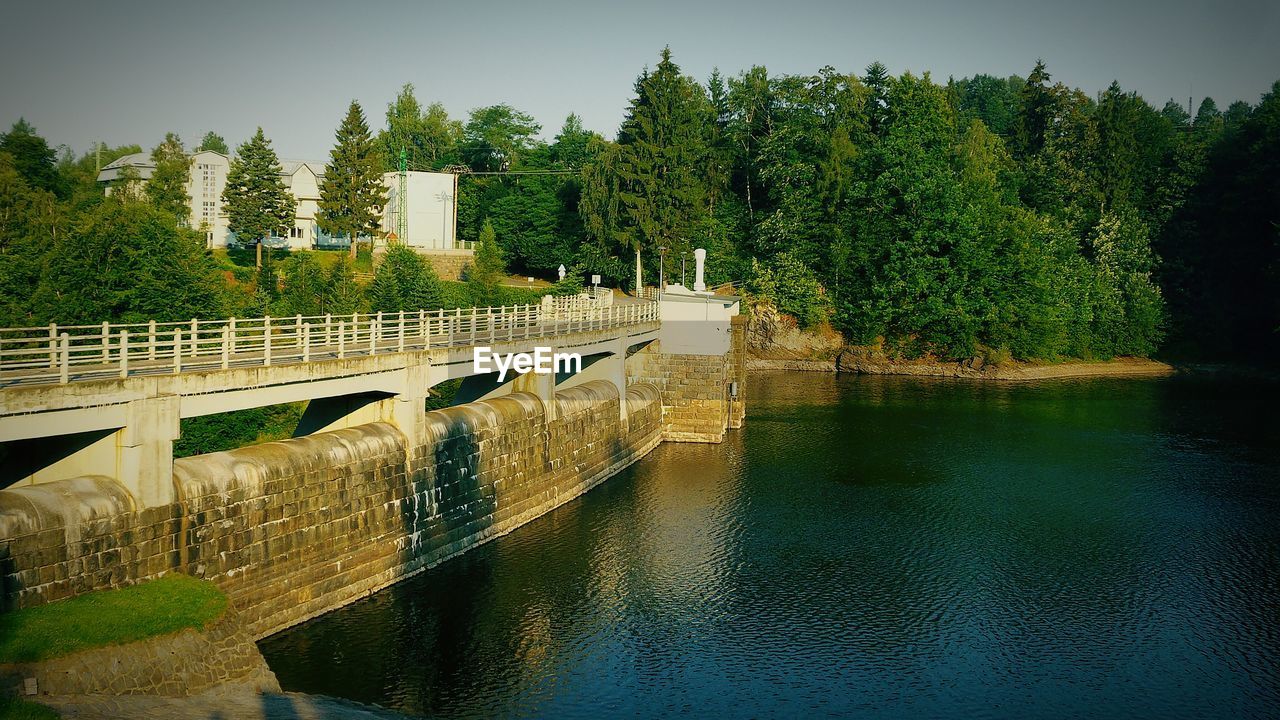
407	410
544	386
144	449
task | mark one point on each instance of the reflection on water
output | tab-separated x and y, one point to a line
880	547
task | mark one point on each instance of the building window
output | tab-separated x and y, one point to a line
296	232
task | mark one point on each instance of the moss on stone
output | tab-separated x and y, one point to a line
109	617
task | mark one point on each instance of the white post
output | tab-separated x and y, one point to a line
400	339
106	343
342	339
53	345
297	330
233	336
226	347
328	329
266	341
124	353
306	342
177	350
194	335
375	329
151	340
700	258
64	374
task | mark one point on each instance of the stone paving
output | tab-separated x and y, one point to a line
217	705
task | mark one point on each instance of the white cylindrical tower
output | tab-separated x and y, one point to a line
700	258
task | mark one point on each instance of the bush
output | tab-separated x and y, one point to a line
792	287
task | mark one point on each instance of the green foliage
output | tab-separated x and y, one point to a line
404	281
12	708
484	275
125	260
351	192
239	428
215	142
428	137
109	617
788	284
257	203
32	157
167	188
497	138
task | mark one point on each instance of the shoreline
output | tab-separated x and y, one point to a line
1121	367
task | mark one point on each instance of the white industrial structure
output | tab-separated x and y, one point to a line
431	218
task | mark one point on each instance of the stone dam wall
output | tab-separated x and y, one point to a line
296	528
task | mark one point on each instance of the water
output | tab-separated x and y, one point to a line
872	547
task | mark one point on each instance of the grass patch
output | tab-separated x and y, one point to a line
109	617
12	708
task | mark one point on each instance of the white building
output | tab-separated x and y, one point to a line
431	214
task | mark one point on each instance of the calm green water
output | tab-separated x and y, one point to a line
871	547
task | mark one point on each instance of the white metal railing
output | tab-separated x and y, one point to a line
69	353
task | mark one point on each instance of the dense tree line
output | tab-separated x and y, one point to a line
1004	215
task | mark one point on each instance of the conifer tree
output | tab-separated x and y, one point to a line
877	79
484	277
257	202
351	193
215	142
404	281
167	188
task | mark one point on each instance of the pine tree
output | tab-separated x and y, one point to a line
404	281
660	165
351	193
1032	122
257	202
213	141
484	277
342	295
167	188
877	79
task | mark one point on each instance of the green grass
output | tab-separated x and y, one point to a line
14	709
109	617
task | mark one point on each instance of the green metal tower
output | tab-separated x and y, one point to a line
402	199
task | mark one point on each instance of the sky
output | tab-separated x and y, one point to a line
127	72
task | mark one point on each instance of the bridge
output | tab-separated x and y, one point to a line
107	399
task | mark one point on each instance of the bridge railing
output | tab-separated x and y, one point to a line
67	353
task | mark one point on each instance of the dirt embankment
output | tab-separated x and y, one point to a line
775	342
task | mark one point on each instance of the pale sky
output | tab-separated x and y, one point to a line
126	72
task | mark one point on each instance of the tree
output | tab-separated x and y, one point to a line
167	188
1035	102
125	261
497	138
404	281
342	295
351	193
32	157
257	202
428	137
305	286
31	221
213	141
484	276
650	189
877	79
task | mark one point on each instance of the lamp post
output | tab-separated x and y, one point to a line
684	255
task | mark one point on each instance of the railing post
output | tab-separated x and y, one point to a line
297	330
375	329
306	342
400	340
151	340
53	345
177	350
195	334
232	347
226	347
511	325
64	374
328	329
342	339
423	330
124	353
106	343
266	341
